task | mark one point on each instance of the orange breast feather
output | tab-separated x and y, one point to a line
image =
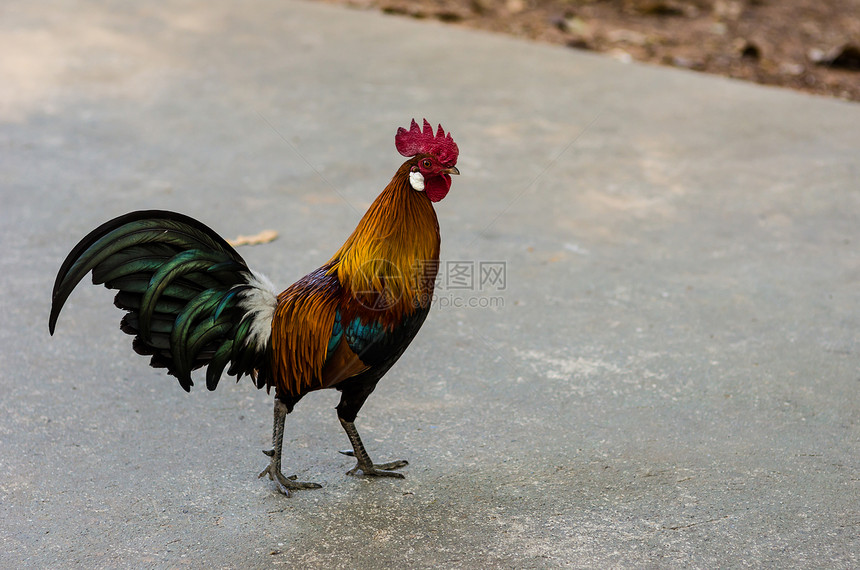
301	329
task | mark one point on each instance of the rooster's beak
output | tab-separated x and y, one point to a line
452	170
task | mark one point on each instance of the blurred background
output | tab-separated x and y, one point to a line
810	45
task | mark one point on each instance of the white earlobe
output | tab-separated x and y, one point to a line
416	180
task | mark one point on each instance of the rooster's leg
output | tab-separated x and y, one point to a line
285	484
353	396
365	465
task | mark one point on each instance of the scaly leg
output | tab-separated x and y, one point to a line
285	484
365	465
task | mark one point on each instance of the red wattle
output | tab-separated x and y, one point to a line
437	187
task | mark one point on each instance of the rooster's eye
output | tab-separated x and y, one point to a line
426	163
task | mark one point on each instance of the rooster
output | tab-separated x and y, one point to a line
192	301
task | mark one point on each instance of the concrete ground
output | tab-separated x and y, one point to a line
668	375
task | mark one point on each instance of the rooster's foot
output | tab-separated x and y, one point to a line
285	484
376	469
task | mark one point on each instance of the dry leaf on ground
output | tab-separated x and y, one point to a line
264	236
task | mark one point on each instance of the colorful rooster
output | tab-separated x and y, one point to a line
192	301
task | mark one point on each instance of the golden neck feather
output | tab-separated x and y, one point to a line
393	253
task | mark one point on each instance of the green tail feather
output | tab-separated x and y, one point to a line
182	286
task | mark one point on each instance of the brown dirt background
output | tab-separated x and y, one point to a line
809	45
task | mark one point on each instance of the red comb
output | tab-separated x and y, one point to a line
415	141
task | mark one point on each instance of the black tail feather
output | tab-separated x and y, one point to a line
181	285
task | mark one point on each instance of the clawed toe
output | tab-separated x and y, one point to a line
391	464
286	484
365	466
379	469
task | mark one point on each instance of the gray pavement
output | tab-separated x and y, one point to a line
669	377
